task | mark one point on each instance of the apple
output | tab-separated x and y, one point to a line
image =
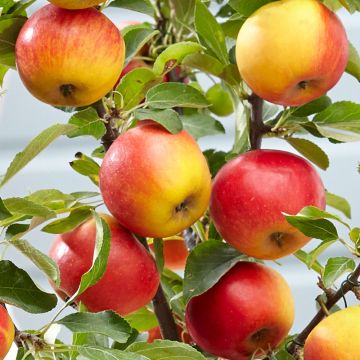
155	334
130	280
76	4
250	194
220	100
291	52
155	183
175	254
7	332
69	57
336	337
249	310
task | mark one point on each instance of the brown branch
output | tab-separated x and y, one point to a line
348	285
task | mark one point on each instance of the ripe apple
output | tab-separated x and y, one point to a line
7	332
249	195
336	337
155	183
131	278
250	309
292	51
69	57
76	4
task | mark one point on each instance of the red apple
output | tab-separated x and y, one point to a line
251	192
249	311
155	334
155	183
130	280
7	332
69	57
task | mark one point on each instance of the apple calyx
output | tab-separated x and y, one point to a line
278	238
183	206
303	84
67	90
260	336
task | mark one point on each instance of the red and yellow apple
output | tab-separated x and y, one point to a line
290	52
69	57
336	337
7	332
250	310
130	280
251	193
155	183
76	4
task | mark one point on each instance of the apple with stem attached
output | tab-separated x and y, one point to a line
251	193
291	52
130	280
7	332
69	57
250	310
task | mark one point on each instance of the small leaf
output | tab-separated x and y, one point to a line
353	65
100	353
107	323
4	212
312	107
242	129
51	198
86	166
206	264
205	63
18	289
303	257
246	8
335	268
82	195
26	207
314	254
168	118
339	203
16	229
142	319
200	125
355	235
282	355
216	160
142	6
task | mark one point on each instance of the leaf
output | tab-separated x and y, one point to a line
3	70
82	195
246	8
38	144
142	6
15	230
86	166
106	323
311	151
18	289
169	95
51	198
206	264
142	319
174	55
159	254
168	118
205	63
351	5
165	349
200	125
353	65
216	160
335	267
355	235
76	217
26	207
4	212
303	257
88	123
314	254
100	353
282	355
242	129
312	107
339	203
210	33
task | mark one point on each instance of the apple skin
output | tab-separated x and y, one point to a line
291	52
7	332
249	195
155	183
250	308
155	334
58	68
336	337
76	4
130	280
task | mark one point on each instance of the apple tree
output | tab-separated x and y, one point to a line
218	217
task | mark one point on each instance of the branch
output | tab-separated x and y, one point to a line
258	128
348	285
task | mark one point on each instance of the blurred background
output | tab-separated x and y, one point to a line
22	117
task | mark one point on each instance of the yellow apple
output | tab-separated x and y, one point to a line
290	52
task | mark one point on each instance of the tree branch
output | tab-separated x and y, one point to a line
348	285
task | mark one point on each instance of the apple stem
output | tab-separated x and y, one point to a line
258	128
350	284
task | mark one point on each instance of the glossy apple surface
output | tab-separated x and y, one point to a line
69	57
76	4
336	337
292	51
251	192
249	309
155	183
7	332
130	280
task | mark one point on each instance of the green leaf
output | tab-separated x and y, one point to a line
51	198
314	254
82	195
142	319
200	125
169	95
165	349
159	254
88	123
107	323
100	353
86	166
355	235
206	264
168	118
75	218
16	230
4	212
335	268
311	151
246	8
216	160
312	107
9	30
242	129
210	33
205	63
142	6
26	207
3	70
303	257
282	355
42	261
21	353
174	55
353	65
351	5
18	289
38	144
339	203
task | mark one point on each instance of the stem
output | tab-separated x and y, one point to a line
347	286
258	128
